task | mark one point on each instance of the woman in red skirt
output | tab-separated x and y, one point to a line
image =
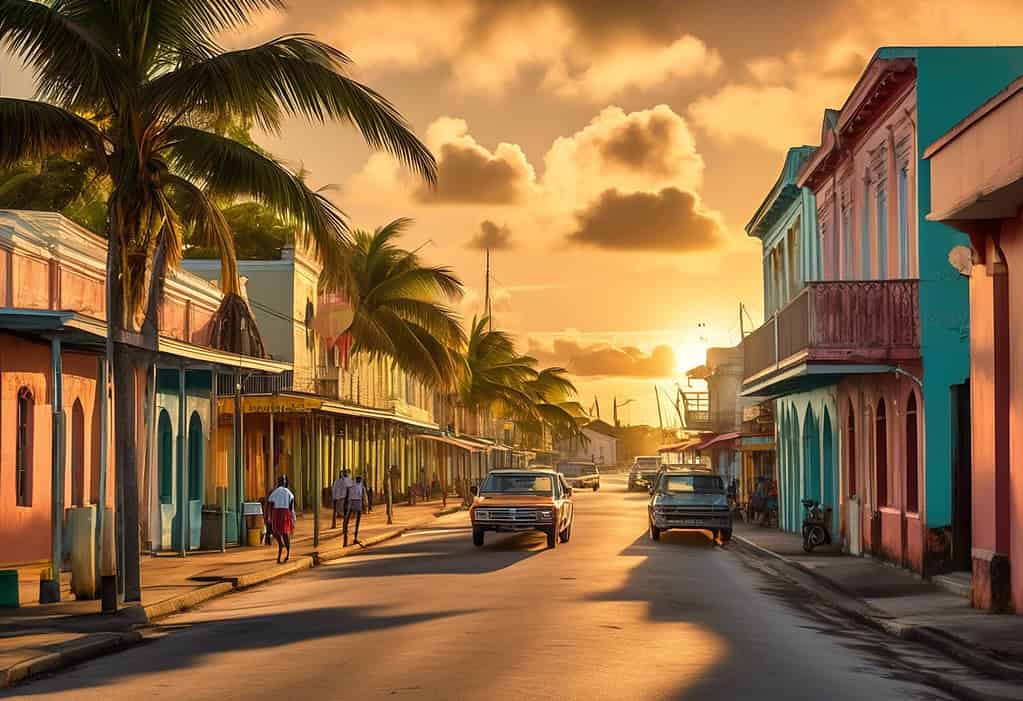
282	516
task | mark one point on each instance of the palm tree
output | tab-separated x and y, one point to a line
400	305
497	378
140	86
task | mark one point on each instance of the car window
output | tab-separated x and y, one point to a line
518	483
690	483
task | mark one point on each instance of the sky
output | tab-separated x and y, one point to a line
608	153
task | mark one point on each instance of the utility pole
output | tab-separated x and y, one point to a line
486	297
614	410
657	398
742	330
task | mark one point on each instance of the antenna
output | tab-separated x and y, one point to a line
489	312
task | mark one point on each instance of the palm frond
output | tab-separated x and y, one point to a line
230	170
32	130
209	227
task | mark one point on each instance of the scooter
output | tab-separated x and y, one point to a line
815	525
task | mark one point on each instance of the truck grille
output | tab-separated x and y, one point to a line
508	514
693	511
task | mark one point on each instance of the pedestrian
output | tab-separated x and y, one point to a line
282	517
338	491
355	498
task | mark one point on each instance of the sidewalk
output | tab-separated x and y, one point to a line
899	602
40	638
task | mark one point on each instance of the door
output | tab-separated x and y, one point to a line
169	519
961	477
196	484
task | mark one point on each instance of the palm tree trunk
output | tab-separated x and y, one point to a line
126	470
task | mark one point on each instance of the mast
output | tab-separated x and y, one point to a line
657	398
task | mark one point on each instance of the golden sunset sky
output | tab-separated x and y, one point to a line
609	152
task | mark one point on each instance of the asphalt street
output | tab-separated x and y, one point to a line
610	615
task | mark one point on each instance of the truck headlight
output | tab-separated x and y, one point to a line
545	515
481	515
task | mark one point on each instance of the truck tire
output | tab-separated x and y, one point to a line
552	537
478	537
726	535
655	532
596	486
566	534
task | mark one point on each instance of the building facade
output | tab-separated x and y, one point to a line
976	187
885	323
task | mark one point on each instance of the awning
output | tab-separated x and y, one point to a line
299	402
471	446
679	447
720	438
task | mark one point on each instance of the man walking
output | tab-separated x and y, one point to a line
355	498
339	491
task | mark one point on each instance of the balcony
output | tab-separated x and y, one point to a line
831	329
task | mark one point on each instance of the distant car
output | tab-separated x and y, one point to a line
690	499
510	501
644	469
580	474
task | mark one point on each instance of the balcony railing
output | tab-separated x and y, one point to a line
850	322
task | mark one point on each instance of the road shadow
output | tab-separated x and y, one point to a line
441	555
234	635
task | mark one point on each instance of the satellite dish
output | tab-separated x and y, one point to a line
961	258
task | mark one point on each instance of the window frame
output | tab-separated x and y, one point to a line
24	442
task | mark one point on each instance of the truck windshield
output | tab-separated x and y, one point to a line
690	483
575	469
524	483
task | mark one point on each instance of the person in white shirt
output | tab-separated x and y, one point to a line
282	516
356	498
340	491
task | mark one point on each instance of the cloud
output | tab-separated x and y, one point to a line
579	49
491	236
605	359
468	173
646	150
671	220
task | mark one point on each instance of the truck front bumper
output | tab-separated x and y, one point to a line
667	522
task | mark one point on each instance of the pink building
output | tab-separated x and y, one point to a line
977	187
52	342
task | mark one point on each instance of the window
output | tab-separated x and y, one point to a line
882	231
23	448
881	453
848	245
912	457
851	442
904	222
865	230
77	454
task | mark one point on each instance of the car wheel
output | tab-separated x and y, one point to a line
726	535
477	537
552	537
566	534
596	486
655	532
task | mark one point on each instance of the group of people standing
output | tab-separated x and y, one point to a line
350	497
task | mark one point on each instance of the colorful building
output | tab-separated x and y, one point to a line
976	186
880	320
56	468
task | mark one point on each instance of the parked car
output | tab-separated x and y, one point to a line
580	474
511	501
644	469
690	499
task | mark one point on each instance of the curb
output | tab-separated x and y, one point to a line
955	647
96	645
99	644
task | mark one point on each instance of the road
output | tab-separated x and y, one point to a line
610	615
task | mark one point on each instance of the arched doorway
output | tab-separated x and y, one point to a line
912	457
850	450
196	472
794	471
881	453
828	468
77	454
165	474
811	457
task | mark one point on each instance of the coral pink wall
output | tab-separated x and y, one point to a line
1012	246
27	364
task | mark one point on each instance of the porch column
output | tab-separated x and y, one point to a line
182	448
239	459
989	389
317	460
50	590
104	433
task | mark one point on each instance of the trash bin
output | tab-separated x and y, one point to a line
253	536
253	513
9	589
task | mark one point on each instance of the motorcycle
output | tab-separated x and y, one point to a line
815	525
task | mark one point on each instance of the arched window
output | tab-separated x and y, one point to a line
196	444
23	448
881	453
165	458
912	457
77	454
850	441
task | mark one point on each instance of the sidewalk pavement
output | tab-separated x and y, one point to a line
39	638
899	602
